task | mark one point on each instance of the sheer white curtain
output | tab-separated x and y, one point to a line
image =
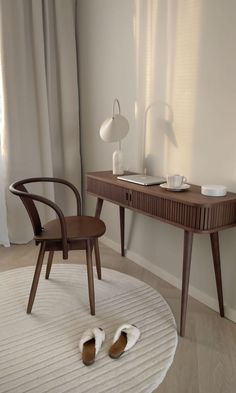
4	240
40	85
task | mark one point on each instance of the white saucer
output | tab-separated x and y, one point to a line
183	187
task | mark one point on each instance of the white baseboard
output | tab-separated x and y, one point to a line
202	297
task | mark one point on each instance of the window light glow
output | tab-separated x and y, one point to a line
166	37
1	112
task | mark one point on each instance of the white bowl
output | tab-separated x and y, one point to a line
213	190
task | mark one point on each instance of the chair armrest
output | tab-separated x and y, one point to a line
39	198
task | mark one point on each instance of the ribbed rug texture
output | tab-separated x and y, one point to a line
39	352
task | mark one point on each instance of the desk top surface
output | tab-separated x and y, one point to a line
192	196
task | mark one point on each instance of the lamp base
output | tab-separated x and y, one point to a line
118	163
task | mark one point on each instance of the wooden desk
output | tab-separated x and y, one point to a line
189	210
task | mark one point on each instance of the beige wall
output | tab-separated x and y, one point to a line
163	59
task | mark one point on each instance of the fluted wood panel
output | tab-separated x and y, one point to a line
194	217
190	210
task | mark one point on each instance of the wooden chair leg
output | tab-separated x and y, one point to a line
49	264
97	259
90	276
36	277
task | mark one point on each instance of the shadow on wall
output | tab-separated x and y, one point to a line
166	37
162	125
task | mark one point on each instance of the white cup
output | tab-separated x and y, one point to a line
175	181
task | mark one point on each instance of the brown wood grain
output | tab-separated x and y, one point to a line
62	234
189	210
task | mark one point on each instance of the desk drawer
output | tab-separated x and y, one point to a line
108	191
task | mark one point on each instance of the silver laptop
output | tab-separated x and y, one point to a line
144	180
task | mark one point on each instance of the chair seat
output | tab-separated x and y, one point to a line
78	228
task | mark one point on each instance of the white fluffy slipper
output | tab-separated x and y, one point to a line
125	338
90	343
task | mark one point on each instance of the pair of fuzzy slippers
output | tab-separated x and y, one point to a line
91	341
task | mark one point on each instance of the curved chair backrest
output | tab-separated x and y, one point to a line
18	188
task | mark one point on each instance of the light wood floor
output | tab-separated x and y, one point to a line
205	360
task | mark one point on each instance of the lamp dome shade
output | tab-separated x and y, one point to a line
114	128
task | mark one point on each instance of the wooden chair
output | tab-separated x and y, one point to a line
62	234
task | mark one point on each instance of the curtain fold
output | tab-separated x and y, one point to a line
40	85
4	239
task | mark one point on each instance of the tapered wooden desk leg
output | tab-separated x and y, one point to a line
188	242
98	207
216	260
122	230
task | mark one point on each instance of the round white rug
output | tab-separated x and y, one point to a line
39	352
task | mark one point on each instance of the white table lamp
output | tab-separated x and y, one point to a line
114	129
